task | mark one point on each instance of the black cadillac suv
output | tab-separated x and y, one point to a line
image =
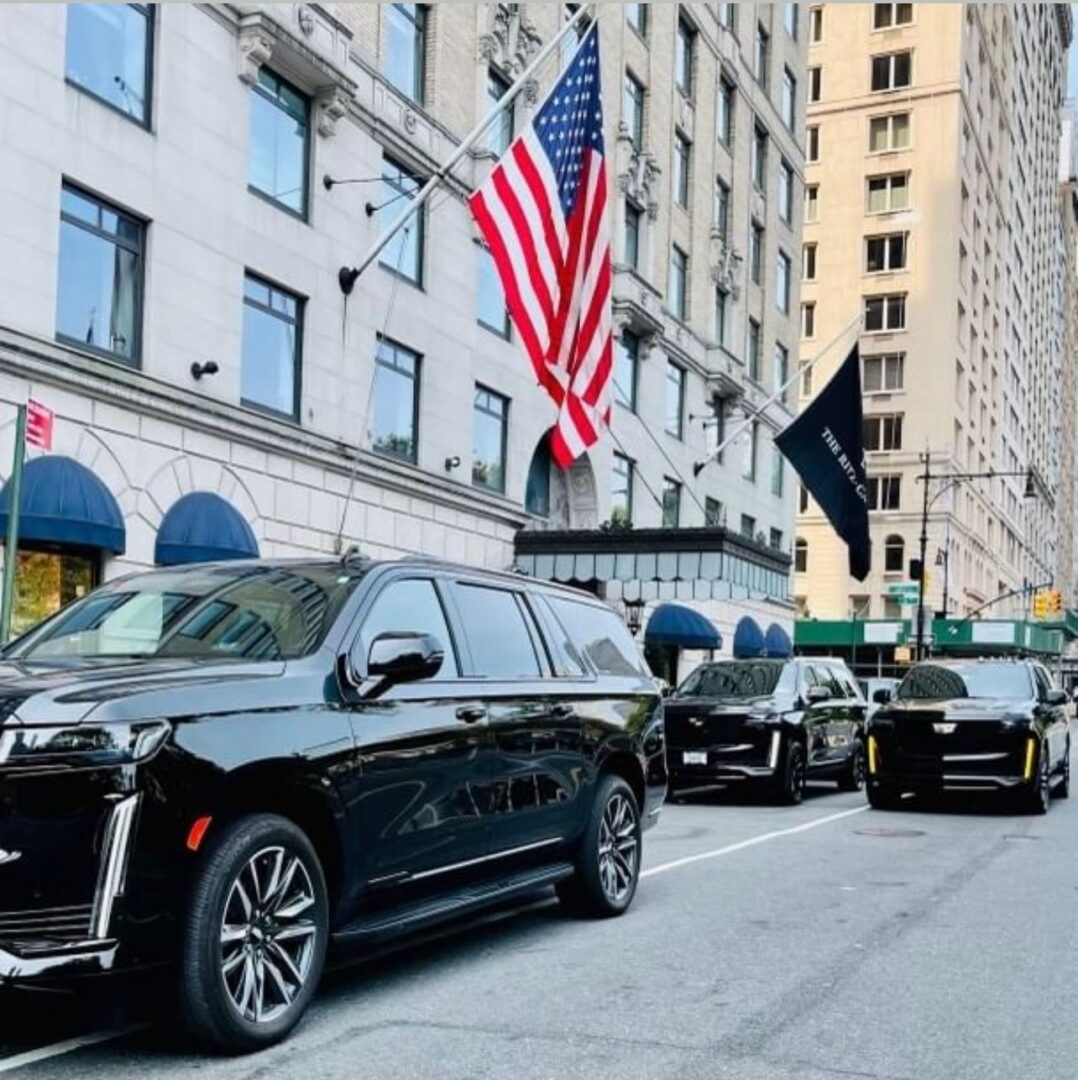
971	725
230	768
772	723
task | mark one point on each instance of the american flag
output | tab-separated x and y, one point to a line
542	211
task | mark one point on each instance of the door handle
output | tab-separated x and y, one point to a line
471	713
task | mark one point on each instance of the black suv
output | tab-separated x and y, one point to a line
971	725
230	767
771	722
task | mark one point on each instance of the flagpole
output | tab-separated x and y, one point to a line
347	275
779	393
11	542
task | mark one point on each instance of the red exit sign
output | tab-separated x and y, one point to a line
39	421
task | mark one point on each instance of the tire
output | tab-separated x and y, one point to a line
853	776
1039	797
882	797
1063	788
790	788
249	990
608	856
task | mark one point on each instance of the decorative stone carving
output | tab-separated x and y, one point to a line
640	180
332	105
511	42
305	18
725	262
410	121
255	49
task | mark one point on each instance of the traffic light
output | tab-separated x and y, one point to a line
1040	604
1055	602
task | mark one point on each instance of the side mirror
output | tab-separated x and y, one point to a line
1056	697
403	656
815	694
882	696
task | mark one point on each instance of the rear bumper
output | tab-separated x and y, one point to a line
25	962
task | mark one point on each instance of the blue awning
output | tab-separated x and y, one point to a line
202	527
672	624
777	642
748	639
62	502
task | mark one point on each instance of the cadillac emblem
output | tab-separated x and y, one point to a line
9	856
944	729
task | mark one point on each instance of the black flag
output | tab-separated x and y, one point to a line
825	444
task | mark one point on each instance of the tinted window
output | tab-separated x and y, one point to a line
498	637
825	676
410	605
598	634
258	613
934	682
738	679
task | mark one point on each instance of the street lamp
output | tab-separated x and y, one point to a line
951	480
634	615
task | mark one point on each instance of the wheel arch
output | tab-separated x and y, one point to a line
624	763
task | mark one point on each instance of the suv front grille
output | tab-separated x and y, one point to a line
54	924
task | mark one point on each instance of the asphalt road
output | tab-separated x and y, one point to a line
821	942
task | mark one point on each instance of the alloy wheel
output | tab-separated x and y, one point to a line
618	848
858	768
267	938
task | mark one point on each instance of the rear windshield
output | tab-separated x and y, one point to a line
933	682
737	679
253	612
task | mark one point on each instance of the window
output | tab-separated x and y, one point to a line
789	19
748	526
808	321
682	150
778	475
891	71
715	429
894	554
490	425
636	15
883	313
884	492
789	98
805	367
728	17
109	55
815	90
883	432
406	48
759	157
748	467
808	262
679	269
712	512
760	55
492	312
885	253
683	57
606	641
621	490
815	25
801	555
500	132
633	217
404	253
889	133
752	350
671	503
722	208
272	332
409	606
802	499
99	276
775	539
782	282
725	113
780	369
498	637
885	16
632	109
395	415
883	374
812	203
675	400
626	363
278	163
722	304
786	192
812	143
887	193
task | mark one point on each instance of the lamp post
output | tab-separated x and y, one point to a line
634	614
950	480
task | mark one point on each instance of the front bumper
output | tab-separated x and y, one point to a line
24	962
724	762
942	781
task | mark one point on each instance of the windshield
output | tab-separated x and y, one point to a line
253	612
738	679
933	682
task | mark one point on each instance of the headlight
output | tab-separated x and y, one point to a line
82	747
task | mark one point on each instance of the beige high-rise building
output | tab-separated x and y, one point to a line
932	216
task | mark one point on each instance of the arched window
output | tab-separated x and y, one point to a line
894	551
801	555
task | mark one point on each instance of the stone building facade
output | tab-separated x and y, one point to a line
181	185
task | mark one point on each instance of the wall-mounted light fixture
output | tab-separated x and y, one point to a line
452	463
200	368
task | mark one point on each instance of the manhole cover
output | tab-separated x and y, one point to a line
889	833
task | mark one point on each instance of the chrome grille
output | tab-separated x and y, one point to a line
57	923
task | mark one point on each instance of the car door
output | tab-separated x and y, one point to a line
854	710
834	716
1054	717
423	809
815	717
536	737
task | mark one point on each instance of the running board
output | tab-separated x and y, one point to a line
416	916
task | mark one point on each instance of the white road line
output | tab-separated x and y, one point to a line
752	841
43	1053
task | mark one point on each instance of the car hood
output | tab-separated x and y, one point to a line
720	705
952	708
104	690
